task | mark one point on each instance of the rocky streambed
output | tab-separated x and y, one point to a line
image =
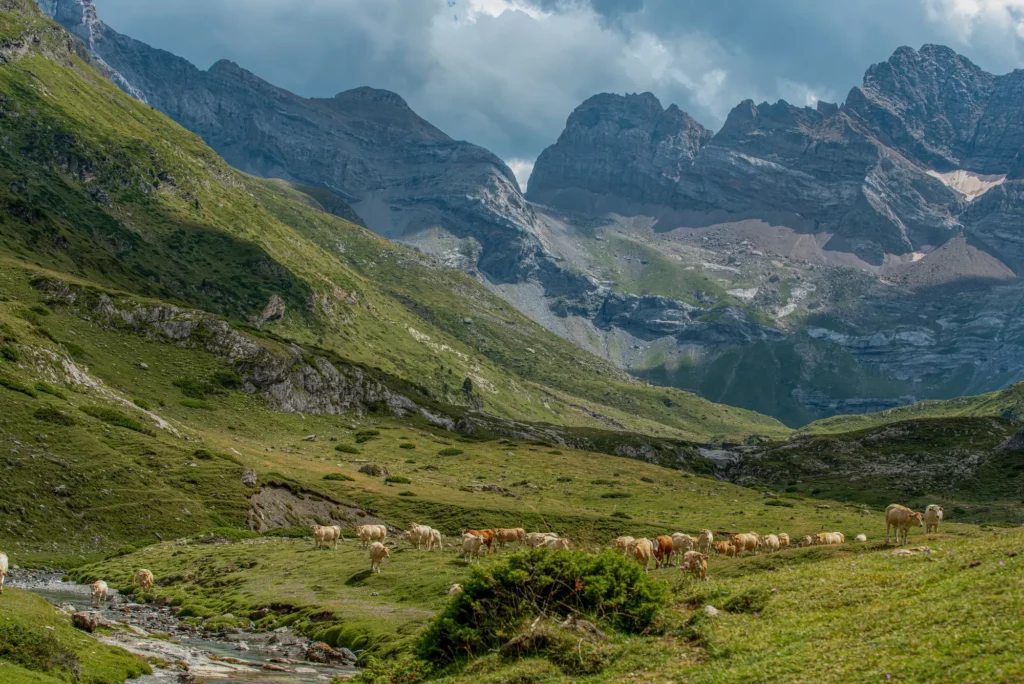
236	656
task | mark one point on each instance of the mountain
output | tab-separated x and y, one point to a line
798	262
843	228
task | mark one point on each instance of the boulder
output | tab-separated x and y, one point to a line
375	470
249	477
87	622
320	652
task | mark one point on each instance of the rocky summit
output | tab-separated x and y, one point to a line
800	261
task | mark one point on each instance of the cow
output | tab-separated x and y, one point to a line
722	548
932	518
770	542
378	552
622	544
371	533
100	592
705	540
486	535
901	519
697	564
419	535
861	537
455	589
556	544
143	579
324	536
3	570
783	540
507	535
663	550
745	542
535	539
642	551
472	545
681	543
809	540
434	540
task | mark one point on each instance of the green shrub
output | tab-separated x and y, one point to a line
15	386
7	333
406	493
403	669
751	601
410	460
142	403
346	449
51	415
563	479
290	532
555	452
227	379
230	533
779	502
397	479
197	404
10	353
407	445
76	351
338	477
112	417
202	455
495	601
363	436
621	515
450	451
51	390
193	388
37	650
604	482
616	495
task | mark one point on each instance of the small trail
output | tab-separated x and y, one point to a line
238	656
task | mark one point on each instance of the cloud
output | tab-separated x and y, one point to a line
522	168
506	74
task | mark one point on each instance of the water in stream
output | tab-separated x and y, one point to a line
242	657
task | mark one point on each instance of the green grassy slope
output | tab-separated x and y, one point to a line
102	188
1001	403
38	645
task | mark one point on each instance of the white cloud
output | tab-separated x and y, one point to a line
522	168
965	20
802	94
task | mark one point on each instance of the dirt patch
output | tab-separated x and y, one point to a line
274	507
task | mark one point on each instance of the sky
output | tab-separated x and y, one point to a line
505	74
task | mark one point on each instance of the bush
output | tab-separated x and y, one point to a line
779	502
397	479
346	449
76	351
142	403
338	477
202	455
50	389
37	650
494	602
364	436
621	515
407	446
193	388
752	601
450	451
563	479
10	353
616	495
406	493
227	379
15	386
51	415
603	482
112	417
196	404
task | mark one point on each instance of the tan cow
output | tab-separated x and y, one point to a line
622	544
143	579
419	535
100	592
324	536
861	537
378	552
486	535
434	540
932	517
681	543
770	543
745	542
722	548
705	542
556	544
3	570
507	535
455	589
902	519
783	540
535	539
642	551
371	533
472	546
809	540
697	564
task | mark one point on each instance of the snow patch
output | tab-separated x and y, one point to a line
744	294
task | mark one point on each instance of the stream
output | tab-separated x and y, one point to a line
235	657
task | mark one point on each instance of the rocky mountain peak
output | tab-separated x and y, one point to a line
374	95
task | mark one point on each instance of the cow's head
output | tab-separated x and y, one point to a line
918	517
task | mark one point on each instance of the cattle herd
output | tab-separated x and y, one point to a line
693	551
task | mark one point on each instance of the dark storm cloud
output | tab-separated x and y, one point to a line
506	73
